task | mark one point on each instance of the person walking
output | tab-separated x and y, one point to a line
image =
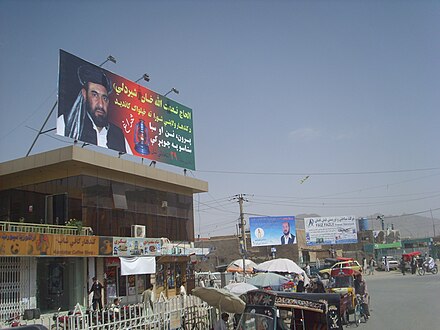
307	269
300	285
182	294
371	265
402	265
387	265
413	265
96	289
364	265
147	300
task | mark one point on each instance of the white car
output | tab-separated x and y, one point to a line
392	263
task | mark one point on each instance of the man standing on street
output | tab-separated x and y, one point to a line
372	264
402	265
96	289
364	265
147	300
307	269
387	265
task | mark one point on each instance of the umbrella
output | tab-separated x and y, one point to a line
221	299
237	266
264	280
240	288
282	265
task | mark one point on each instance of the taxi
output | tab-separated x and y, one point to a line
340	267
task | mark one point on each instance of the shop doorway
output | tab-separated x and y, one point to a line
60	283
128	288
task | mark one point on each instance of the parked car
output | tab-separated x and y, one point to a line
342	265
392	262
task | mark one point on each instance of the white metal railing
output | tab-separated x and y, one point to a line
187	312
44	229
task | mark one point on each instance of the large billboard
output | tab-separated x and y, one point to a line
330	230
272	230
98	107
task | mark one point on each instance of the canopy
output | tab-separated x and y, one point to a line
237	266
264	280
240	288
282	265
408	256
221	299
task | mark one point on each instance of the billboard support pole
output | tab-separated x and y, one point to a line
41	129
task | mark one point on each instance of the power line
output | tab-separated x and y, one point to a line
294	198
215	208
342	204
404	215
323	173
33	113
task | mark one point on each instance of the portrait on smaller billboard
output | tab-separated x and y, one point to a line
272	230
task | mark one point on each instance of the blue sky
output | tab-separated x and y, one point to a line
291	88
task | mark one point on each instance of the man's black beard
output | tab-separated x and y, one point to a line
101	121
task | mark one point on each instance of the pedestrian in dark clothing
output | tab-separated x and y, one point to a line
402	265
300	285
96	289
413	265
319	287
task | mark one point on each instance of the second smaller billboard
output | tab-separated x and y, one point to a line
330	230
272	230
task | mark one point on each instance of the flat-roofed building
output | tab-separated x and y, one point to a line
104	197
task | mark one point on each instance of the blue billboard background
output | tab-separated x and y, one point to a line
268	230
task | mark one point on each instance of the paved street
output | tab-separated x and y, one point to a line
403	302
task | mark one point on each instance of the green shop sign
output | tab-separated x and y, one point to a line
388	246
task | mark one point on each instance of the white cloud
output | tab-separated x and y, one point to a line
305	134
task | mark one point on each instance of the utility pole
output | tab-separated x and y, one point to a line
433	224
241	199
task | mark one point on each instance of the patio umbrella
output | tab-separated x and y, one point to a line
239	288
237	266
221	299
264	280
282	265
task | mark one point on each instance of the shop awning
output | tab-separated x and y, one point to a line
138	265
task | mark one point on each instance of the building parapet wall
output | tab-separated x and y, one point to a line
73	160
